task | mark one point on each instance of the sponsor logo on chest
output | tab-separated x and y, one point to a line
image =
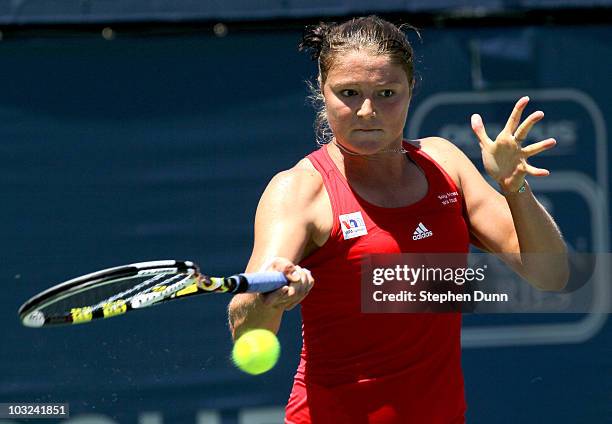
448	198
421	232
352	225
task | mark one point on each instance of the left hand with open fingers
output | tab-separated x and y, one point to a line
505	160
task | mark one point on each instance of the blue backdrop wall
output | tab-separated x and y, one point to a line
105	11
151	148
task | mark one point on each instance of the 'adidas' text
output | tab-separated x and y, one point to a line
421	232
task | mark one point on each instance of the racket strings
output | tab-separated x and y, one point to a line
137	289
123	289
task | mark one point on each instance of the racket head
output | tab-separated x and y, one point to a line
114	291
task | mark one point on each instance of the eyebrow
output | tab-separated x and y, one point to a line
350	82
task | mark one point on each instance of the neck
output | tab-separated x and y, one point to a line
384	166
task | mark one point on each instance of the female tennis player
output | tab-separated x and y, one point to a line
368	191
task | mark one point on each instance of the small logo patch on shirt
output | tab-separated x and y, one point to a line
421	232
448	198
352	225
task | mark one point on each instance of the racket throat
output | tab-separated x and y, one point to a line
151	297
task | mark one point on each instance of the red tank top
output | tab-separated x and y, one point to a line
379	368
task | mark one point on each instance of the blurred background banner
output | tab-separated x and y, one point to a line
132	137
89	11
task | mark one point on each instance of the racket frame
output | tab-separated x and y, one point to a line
85	282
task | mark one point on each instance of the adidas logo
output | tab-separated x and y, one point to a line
421	232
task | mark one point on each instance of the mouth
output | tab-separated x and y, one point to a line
368	129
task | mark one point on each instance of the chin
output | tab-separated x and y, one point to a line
360	137
363	146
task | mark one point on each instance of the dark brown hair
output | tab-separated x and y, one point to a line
371	34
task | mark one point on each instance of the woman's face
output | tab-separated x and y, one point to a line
367	100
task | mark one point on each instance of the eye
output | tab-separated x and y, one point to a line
348	93
387	93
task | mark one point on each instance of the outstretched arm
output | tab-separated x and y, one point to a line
515	222
283	230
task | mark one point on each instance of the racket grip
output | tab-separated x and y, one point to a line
263	282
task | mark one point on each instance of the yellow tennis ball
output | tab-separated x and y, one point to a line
256	351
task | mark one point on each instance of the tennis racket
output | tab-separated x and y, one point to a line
115	291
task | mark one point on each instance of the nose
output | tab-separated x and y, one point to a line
366	110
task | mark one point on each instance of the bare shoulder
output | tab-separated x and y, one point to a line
305	166
297	191
300	183
445	153
295	204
